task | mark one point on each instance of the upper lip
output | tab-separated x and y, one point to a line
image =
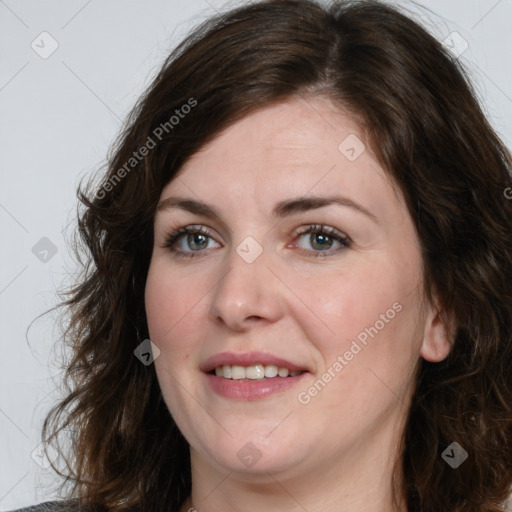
248	359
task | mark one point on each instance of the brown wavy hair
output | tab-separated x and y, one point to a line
420	116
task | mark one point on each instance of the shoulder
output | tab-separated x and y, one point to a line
54	506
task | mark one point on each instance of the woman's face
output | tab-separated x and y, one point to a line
257	291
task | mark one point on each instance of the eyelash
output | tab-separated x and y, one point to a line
173	237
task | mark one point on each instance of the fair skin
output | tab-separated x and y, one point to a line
335	452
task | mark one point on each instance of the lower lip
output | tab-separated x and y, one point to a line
251	389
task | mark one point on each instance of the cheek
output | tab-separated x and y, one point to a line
371	310
171	309
370	351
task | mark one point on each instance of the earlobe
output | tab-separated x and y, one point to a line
438	335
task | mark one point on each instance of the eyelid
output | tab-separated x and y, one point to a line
321	228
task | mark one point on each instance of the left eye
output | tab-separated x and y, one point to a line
322	237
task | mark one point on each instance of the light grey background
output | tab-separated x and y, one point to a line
58	117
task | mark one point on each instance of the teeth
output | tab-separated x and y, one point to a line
237	372
226	370
255	372
271	371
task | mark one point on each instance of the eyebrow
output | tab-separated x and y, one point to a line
282	209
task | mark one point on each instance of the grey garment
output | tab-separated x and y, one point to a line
54	506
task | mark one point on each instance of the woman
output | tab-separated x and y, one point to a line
305	215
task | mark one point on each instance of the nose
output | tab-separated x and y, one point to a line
247	293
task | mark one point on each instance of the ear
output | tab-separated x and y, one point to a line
438	336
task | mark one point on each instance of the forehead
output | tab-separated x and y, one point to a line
290	132
296	147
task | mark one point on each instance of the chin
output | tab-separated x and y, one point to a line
253	451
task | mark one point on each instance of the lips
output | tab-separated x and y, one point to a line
248	388
249	359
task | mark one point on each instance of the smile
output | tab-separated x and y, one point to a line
253	372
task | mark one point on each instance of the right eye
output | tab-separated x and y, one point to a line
195	236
